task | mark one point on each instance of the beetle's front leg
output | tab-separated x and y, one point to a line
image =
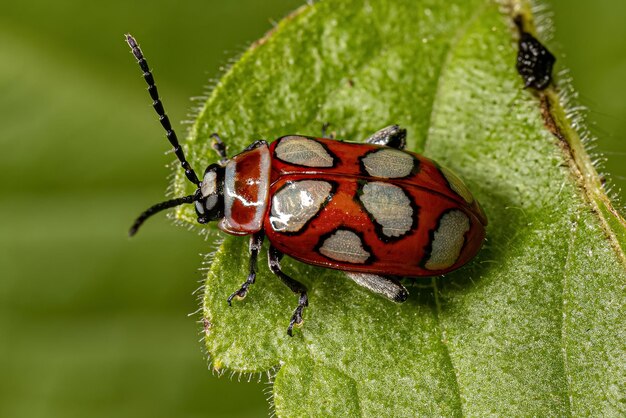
256	241
273	258
219	147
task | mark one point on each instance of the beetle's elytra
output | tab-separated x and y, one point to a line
370	209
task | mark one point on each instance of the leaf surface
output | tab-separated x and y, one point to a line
534	325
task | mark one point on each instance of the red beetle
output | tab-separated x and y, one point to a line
371	209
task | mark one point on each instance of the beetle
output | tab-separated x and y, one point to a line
372	210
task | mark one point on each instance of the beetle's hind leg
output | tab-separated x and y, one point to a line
392	136
219	147
256	241
331	135
273	257
388	287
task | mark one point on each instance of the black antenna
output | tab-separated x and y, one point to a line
158	208
158	107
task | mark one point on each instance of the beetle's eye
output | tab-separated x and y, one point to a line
199	207
211	201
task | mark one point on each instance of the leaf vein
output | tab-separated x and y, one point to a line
443	338
564	319
448	56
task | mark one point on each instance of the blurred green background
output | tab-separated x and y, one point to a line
92	323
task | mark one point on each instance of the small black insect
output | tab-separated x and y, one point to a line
534	61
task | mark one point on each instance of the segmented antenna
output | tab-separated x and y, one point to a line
160	207
158	107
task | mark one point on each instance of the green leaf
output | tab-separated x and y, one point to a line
534	326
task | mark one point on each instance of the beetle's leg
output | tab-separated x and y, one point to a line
219	147
385	286
273	258
392	136
325	129
256	240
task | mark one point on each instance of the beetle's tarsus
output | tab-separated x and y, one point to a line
256	241
296	318
241	293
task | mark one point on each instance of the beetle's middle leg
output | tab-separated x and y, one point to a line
256	241
392	136
273	257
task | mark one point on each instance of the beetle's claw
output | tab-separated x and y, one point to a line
291	325
239	295
296	320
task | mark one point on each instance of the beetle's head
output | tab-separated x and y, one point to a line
210	202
